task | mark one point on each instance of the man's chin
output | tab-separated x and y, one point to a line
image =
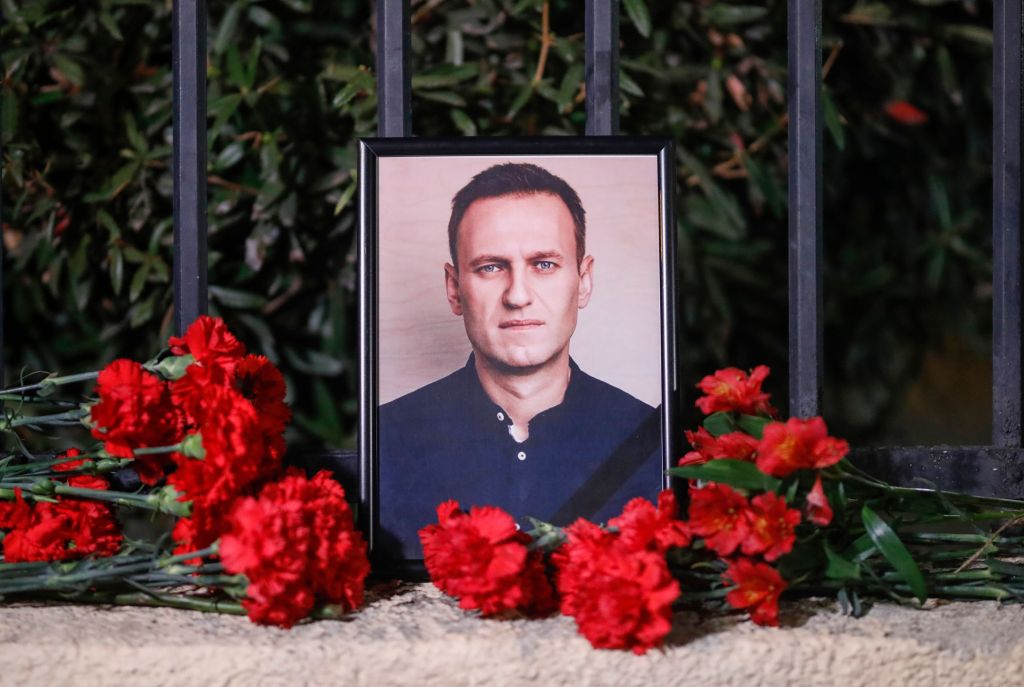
521	362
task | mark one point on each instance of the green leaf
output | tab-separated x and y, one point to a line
522	97
719	423
446	97
107	19
363	81
71	70
463	122
116	270
445	75
570	84
629	86
753	425
226	30
721	15
765	183
736	473
346	196
894	551
236	74
832	121
840	568
639	15
8	115
138	282
236	298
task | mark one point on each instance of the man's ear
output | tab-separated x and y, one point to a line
451	287
586	281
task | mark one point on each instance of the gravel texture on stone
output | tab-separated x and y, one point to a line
413	635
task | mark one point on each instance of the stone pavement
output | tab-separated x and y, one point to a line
416	636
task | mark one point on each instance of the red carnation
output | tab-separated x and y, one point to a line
134	411
734	445
719	514
643	527
757	587
70	528
732	389
481	559
818	509
621	598
297	545
798	444
772	526
235	460
209	341
82	481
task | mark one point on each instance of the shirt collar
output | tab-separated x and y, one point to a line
480	404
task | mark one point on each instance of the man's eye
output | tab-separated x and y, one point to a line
488	269
545	265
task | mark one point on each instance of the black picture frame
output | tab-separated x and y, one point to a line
371	152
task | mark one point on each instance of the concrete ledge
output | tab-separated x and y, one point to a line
416	636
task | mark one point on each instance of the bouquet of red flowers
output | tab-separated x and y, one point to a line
201	428
773	507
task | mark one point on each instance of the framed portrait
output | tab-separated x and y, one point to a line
517	330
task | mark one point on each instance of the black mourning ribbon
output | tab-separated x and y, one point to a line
616	469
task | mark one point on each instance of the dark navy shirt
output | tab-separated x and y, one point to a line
585	457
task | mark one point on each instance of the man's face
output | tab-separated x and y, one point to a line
517	285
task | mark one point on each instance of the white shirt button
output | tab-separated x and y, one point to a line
501	416
521	455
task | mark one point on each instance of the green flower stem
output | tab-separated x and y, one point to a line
965	576
53	381
928	537
189	603
155	450
42	490
963	592
68	417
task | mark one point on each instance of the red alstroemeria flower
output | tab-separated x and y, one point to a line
905	113
645	528
733	389
818	509
734	445
798	444
757	587
621	598
481	559
772	526
719	514
209	341
135	411
297	545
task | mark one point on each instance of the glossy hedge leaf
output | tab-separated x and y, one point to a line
736	473
462	120
721	14
638	14
894	551
832	120
445	75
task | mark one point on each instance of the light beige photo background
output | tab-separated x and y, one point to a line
617	337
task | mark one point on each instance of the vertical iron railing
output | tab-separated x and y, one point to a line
189	58
1006	200
601	29
805	216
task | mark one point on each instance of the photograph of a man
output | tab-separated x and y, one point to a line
519	424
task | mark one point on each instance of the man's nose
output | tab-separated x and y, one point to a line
517	292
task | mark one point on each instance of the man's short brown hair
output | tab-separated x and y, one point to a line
516	179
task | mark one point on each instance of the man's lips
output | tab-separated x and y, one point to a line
520	324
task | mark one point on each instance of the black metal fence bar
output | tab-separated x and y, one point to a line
394	91
189	57
602	67
1006	241
805	172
